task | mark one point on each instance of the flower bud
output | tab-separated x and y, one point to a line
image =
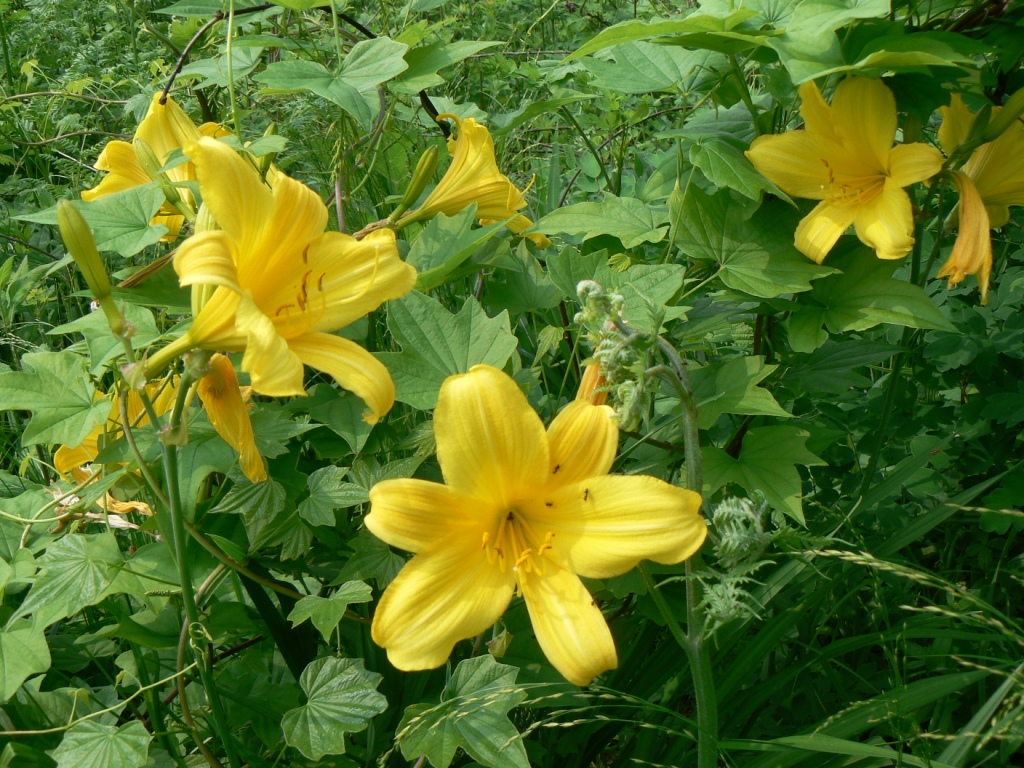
78	239
420	178
147	158
1006	116
267	160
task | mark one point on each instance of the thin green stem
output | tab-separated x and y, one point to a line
590	146
744	90
228	52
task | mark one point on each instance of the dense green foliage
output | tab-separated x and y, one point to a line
858	601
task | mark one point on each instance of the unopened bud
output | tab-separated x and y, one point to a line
147	158
268	159
420	178
1006	116
78	239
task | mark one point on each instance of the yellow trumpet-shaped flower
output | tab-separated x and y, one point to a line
226	406
844	156
522	508
972	251
282	284
474	177
996	169
165	128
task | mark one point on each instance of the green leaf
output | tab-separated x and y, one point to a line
865	295
426	60
23	653
832	369
372	62
815	18
259	504
327	612
626	218
56	388
301	5
507	121
102	344
472	715
200	8
437	344
302	75
340	411
119	222
641	67
726	166
76	572
215	71
341	698
93	745
767	463
819	742
724	27
327	493
731	387
755	253
371	559
445	243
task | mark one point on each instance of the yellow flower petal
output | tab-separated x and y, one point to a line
440	597
490	442
570	628
351	366
359	276
956	122
207	258
417	514
817	114
864	115
68	458
793	161
582	440
972	251
275	370
214	327
125	172
819	230
166	128
226	408
910	163
887	223
605	525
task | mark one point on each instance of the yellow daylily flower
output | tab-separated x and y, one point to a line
844	156
282	284
165	128
227	407
474	177
522	508
972	251
996	169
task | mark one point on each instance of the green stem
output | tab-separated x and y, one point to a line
744	90
890	398
7	56
590	146
231	74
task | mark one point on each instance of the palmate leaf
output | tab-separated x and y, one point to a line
629	219
473	715
437	344
641	67
23	653
731	387
93	745
767	463
341	698
56	388
327	612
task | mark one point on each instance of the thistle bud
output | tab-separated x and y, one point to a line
1006	116
78	239
420	178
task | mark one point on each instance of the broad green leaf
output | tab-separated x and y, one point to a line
103	346
372	62
726	166
327	493
340	411
341	697
641	67
56	388
119	222
215	71
626	218
199	8
93	745
472	715
767	463
425	60
445	243
507	121
865	295
755	254
371	559
327	612
301	5
76	572
302	75
815	18
259	504
695	24
437	344
833	368
731	387
23	653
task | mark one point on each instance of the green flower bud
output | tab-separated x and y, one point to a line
420	178
78	239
